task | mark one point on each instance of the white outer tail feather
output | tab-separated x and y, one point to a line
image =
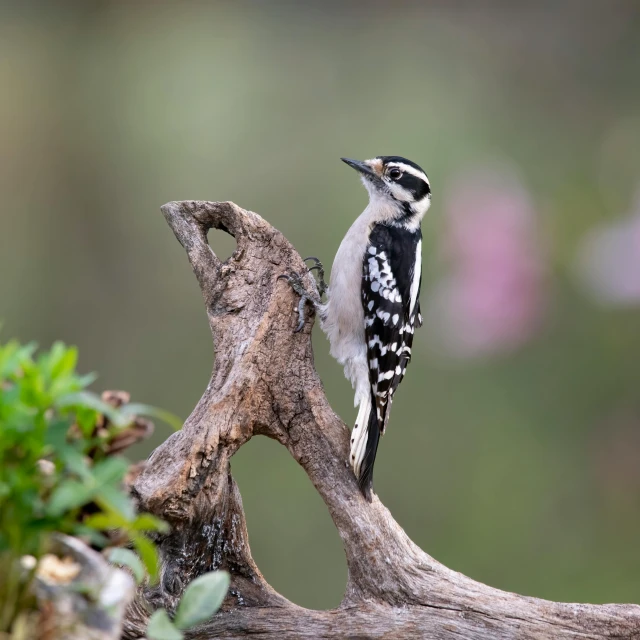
360	435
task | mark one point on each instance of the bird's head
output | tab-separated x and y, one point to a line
395	181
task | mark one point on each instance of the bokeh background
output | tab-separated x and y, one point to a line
513	453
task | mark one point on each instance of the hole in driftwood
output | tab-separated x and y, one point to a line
222	243
292	537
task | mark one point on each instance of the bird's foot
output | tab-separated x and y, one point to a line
319	267
295	281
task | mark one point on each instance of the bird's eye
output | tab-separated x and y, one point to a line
395	174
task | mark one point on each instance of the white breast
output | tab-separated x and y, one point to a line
344	320
343	316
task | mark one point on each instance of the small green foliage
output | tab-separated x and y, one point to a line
148	553
127	558
139	409
202	598
57	473
160	627
85	400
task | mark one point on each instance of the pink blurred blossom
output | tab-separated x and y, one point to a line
608	260
494	295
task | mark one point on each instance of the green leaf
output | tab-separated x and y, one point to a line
148	554
111	498
56	435
75	462
86	419
63	360
111	470
139	409
128	558
105	521
87	379
95	538
12	356
161	628
69	495
202	599
92	401
147	522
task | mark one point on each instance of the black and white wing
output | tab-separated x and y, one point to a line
391	274
390	297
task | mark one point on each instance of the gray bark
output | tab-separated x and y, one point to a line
92	605
264	383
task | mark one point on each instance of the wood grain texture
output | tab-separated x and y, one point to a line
264	383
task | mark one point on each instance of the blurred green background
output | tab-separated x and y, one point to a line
514	446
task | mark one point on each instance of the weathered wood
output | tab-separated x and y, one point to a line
264	382
84	601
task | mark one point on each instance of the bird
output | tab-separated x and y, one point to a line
372	303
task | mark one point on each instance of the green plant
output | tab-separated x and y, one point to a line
201	599
58	471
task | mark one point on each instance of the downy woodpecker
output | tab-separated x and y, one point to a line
373	306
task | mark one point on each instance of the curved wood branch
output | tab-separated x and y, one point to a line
264	382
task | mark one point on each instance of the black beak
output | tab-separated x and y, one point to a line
360	166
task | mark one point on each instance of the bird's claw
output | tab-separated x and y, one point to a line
301	318
317	262
295	281
319	267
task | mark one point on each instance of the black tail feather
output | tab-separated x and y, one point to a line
365	481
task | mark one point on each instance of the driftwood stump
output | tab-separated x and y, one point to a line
264	382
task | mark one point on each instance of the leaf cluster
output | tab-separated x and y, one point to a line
58	472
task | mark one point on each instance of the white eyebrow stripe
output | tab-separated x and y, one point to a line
412	170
